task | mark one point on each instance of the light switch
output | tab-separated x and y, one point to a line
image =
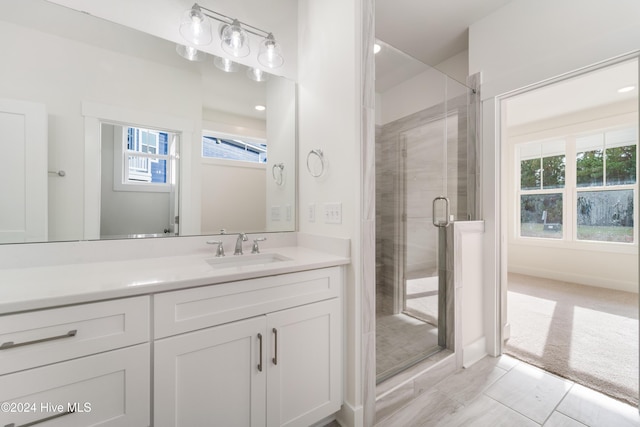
275	213
311	216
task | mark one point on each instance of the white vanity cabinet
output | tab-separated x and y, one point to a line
82	365
259	352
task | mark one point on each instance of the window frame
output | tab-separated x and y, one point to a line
570	191
121	153
229	136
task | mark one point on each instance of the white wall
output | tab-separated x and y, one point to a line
329	119
520	44
239	188
278	17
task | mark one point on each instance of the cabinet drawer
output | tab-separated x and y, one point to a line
190	309
42	337
108	389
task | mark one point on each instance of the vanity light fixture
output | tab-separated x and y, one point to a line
260	107
626	89
195	27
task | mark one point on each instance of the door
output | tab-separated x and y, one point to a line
215	376
303	383
429	197
23	177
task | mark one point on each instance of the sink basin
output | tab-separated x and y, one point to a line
246	260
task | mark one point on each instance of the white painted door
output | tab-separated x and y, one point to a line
304	364
212	377
23	176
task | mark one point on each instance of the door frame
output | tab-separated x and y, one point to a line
500	327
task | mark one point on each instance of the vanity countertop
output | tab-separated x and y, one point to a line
48	286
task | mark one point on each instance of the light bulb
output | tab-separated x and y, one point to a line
270	54
234	39
195	27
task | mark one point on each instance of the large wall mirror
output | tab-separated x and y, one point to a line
104	128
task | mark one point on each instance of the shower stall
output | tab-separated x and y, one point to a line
426	178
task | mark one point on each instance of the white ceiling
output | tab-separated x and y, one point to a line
430	30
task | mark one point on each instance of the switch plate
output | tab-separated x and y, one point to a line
275	213
311	216
333	213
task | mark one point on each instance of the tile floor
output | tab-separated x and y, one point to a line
506	392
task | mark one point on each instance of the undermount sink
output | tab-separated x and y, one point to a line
246	260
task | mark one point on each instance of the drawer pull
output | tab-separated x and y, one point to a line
260	361
275	356
41	420
10	344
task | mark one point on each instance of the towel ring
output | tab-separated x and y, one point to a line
277	173
318	153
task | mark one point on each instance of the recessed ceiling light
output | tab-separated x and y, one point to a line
626	89
376	48
260	107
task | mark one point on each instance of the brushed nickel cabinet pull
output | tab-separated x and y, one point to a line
275	356
41	420
260	361
10	344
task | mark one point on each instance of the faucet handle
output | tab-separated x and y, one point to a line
219	249
255	249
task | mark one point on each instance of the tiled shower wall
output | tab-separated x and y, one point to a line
420	176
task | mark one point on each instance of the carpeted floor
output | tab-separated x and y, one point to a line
586	334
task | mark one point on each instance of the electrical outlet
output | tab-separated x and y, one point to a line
333	213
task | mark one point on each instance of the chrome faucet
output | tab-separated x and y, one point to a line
242	237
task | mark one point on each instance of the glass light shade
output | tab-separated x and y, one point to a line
225	64
234	39
270	53
257	75
190	53
195	27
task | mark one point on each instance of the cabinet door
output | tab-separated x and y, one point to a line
212	377
108	390
304	378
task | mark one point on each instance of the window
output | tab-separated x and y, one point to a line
605	179
147	155
542	174
234	148
143	161
581	188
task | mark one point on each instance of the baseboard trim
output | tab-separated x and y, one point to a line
474	352
350	416
600	282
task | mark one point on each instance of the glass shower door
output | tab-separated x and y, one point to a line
426	216
423	152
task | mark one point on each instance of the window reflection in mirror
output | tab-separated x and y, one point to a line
138	196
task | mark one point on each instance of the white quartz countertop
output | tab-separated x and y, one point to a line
48	286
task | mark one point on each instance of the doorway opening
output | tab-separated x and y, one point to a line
570	304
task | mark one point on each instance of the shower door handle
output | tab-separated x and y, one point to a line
446	221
